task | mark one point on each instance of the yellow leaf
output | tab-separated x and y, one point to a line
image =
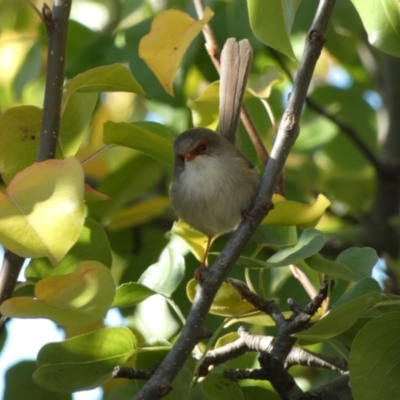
78	298
162	49
196	240
287	212
227	302
42	211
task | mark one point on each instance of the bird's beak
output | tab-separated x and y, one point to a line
189	156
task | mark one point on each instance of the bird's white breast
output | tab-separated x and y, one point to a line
212	192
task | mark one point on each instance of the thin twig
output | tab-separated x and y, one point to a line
35	9
288	131
211	43
303	279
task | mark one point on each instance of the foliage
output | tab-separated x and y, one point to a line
131	88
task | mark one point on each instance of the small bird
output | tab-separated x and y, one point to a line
214	183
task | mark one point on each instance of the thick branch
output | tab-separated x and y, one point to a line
134	373
337	389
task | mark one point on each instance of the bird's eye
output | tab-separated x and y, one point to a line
203	148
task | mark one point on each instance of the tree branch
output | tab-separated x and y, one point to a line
288	131
56	21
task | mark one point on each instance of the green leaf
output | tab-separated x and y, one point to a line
309	243
20	133
374	359
139	138
83	362
164	276
249	262
351	265
345	312
205	107
260	85
227	302
220	388
153	351
315	133
275	236
131	293
19	137
125	184
42	213
22	372
159	129
29	71
75	121
271	22
381	19
108	78
226	339
92	245
138	213
73	299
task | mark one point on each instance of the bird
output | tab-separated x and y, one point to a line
213	182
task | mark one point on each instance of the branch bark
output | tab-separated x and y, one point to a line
161	382
57	29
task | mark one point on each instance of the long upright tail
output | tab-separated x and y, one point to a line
236	60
